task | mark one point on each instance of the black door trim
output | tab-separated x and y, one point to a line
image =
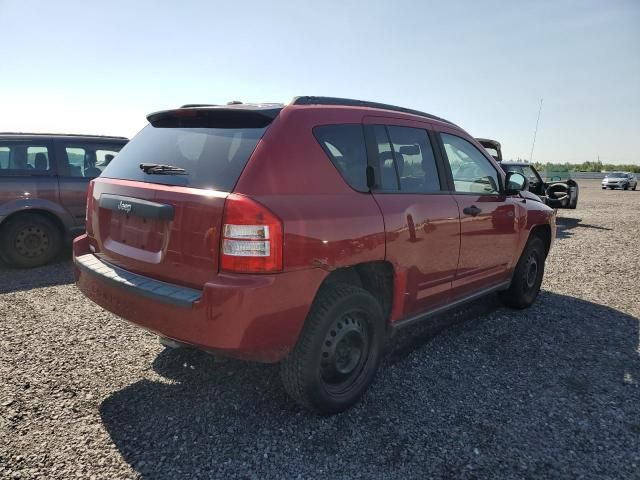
431	313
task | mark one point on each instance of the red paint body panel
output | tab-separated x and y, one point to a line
326	222
437	253
488	242
182	251
256	317
422	233
423	241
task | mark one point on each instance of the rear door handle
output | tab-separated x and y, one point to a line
472	210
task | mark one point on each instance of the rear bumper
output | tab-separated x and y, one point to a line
254	317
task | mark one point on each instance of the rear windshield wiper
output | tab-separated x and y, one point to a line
159	169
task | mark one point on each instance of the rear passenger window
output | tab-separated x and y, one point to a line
415	161
344	145
405	162
75	157
22	159
87	160
104	157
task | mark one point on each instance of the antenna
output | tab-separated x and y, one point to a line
535	133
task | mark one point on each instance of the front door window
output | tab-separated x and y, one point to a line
472	172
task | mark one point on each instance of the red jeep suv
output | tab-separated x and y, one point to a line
306	234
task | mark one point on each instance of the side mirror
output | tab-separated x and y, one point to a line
515	182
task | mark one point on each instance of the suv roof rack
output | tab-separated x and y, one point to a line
234	105
194	105
350	102
86	135
197	105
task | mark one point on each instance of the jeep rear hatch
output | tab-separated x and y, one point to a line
157	208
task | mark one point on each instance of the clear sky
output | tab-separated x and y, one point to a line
100	67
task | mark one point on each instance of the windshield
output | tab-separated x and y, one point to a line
530	174
212	158
616	175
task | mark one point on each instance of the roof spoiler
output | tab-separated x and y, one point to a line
210	116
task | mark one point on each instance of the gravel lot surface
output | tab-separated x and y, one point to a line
483	392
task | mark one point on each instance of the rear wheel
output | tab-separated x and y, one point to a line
338	351
29	240
527	277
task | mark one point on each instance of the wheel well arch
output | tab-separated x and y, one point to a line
375	277
543	232
57	221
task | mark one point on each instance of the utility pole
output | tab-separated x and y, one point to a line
535	133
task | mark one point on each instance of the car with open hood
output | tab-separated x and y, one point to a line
556	193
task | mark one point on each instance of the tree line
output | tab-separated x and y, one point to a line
586	167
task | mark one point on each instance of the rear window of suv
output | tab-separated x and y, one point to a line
213	158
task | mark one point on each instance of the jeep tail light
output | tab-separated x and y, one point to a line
251	237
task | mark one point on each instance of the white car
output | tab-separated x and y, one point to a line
623	180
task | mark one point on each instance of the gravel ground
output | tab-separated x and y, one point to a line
484	392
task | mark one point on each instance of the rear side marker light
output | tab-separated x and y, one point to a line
251	237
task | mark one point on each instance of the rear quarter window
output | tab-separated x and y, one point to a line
345	146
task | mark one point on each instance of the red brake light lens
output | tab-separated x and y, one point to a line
251	237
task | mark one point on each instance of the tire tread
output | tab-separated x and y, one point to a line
13	260
292	367
512	297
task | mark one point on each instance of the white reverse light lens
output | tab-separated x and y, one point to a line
246	248
255	232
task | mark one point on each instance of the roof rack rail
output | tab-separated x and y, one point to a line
194	105
350	102
47	134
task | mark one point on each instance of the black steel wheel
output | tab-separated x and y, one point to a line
338	350
344	351
29	240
